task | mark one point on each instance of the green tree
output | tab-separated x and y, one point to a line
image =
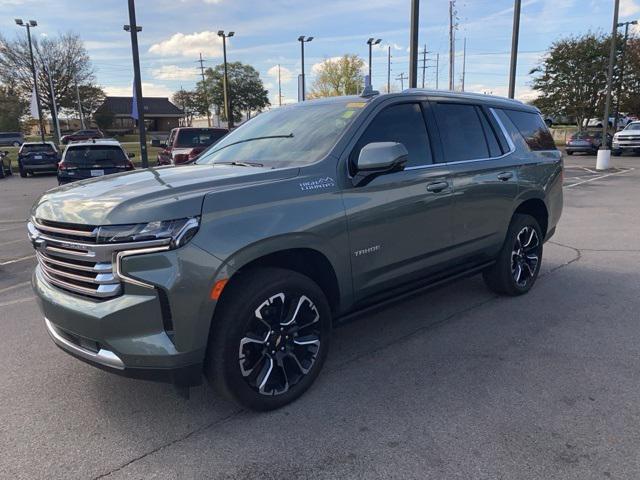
246	90
572	78
11	109
191	102
630	96
91	97
341	76
64	57
104	118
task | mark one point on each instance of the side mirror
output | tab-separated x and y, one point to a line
379	158
131	155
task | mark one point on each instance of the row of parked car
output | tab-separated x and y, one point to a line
94	157
16	139
589	141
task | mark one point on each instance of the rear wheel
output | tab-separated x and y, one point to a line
269	338
518	263
23	172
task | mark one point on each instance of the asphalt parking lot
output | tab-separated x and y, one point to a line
452	384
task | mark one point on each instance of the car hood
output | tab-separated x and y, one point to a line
146	195
628	133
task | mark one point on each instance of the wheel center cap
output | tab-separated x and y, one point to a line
278	340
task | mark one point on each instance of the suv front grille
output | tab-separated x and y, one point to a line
70	259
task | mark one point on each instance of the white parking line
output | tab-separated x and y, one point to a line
593	179
6	289
19	300
16	260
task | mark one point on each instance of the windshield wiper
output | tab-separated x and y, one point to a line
240	164
266	137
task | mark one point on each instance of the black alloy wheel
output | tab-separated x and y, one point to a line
525	256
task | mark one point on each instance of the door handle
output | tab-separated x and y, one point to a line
436	187
504	176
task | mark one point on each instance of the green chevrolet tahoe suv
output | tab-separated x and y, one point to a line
236	267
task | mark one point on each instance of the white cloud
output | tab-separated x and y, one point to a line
524	94
174	72
285	74
629	7
385	46
148	89
190	45
317	67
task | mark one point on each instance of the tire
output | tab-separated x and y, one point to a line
569	152
252	362
23	173
616	153
518	263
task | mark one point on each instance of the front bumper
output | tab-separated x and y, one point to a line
158	333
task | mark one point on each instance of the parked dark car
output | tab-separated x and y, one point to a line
94	158
186	143
81	135
38	157
586	142
13	139
237	266
5	165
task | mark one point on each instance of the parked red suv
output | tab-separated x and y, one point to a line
186	143
81	135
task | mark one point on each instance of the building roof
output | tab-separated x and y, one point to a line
153	107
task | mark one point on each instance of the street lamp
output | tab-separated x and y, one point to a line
302	39
622	65
29	25
225	81
133	29
371	42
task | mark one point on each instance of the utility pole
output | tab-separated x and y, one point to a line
622	65
515	35
134	29
603	161
228	113
302	39
437	70
452	43
402	78
389	69
79	103
464	62
413	44
279	88
204	91
424	62
28	25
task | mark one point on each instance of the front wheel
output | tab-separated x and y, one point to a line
518	263
269	338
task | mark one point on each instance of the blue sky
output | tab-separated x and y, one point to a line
175	31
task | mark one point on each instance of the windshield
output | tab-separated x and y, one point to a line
104	155
295	135
633	126
198	137
38	148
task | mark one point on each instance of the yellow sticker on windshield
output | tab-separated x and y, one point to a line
356	104
348	114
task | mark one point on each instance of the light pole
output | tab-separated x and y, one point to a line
225	80
371	42
413	44
622	65
302	39
603	161
515	35
28	25
133	29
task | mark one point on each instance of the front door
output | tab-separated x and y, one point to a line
399	223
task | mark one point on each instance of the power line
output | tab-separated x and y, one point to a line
204	90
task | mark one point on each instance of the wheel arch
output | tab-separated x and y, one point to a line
538	210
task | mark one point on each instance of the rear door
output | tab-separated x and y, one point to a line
484	175
399	223
95	160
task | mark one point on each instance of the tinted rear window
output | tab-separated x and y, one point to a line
461	132
197	138
95	155
533	130
38	148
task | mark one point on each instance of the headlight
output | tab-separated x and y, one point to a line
178	232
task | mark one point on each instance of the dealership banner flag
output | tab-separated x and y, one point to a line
33	105
134	103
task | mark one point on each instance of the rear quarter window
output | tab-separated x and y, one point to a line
533	130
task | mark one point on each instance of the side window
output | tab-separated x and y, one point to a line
533	129
461	132
490	134
403	123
